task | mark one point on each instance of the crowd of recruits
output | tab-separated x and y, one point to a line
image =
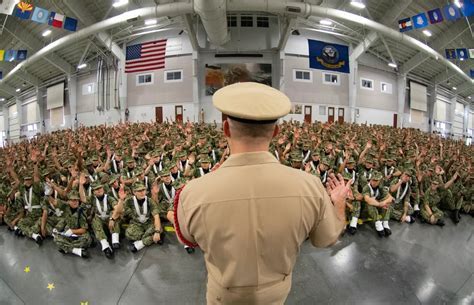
101	185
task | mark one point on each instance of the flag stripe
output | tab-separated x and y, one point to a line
146	56
144	65
145	69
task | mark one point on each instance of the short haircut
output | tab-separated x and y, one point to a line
251	130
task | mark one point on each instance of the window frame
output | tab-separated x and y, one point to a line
389	86
362	79
137	79
263	20
303	80
165	76
247	16
338	83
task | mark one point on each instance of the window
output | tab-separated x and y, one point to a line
144	79
32	127
88	89
173	76
56	117
367	84
302	76
386	88
246	21
262	22
331	79
322	110
232	21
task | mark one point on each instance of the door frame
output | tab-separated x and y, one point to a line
159	119
176	113
310	114
329	115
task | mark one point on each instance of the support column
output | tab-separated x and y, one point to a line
401	99
41	107
5	122
195	83
123	92
465	121
431	106
72	93
353	88
452	115
19	116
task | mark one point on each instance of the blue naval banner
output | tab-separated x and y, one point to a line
328	56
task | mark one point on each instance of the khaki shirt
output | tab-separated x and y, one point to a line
249	218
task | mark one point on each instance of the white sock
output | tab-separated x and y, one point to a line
408	219
105	244
385	224
115	238
417	207
378	225
139	245
353	222
34	236
185	247
15	228
77	251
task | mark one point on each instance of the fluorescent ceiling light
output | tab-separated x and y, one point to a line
82	66
461	59
325	22
11	59
119	3
358	4
454	88
151	22
391	64
18	90
427	33
46	33
457	3
469	97
3	99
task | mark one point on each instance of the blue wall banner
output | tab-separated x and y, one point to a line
328	56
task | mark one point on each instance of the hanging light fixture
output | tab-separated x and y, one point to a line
358	4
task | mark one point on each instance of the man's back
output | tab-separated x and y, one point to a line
254	213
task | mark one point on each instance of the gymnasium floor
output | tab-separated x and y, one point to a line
418	264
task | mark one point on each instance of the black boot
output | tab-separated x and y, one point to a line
352	230
190	250
62	251
85	253
387	232
132	248
440	223
456	216
416	213
381	233
39	240
116	246
108	253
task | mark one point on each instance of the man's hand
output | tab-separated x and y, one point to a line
338	190
156	237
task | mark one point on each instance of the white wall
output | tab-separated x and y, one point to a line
376	98
375	116
146	113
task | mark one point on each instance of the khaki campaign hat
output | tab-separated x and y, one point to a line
252	102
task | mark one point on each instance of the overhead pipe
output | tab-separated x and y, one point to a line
169	9
213	14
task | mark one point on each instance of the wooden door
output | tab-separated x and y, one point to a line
307	114
395	120
340	115
159	114
224	117
178	111
331	114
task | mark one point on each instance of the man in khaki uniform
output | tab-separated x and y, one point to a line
249	252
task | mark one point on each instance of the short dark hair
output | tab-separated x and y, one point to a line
251	130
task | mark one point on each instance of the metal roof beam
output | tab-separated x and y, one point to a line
438	43
87	19
7	89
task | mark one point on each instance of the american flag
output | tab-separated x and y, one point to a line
146	56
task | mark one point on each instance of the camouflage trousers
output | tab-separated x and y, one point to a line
449	202
138	231
30	225
398	209
379	213
355	212
51	223
9	218
67	243
468	207
101	227
438	214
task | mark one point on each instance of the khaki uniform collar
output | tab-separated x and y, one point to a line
251	158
